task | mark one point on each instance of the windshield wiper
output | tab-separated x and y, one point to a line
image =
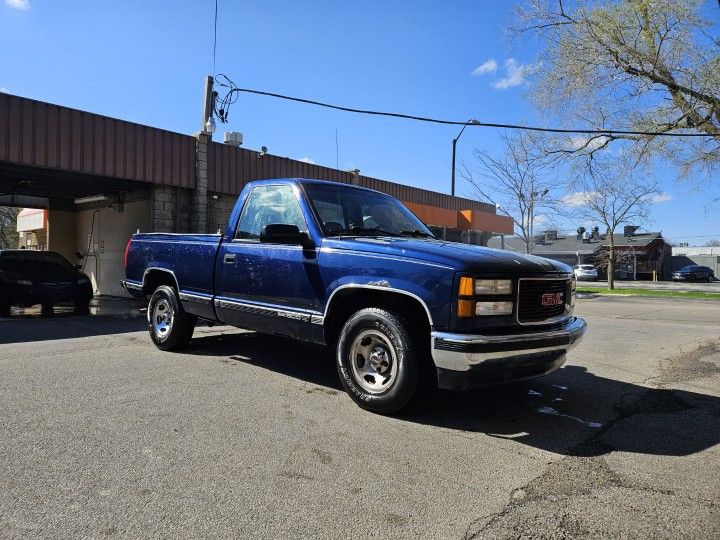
417	232
370	231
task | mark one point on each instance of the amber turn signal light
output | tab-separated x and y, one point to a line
466	288
465	308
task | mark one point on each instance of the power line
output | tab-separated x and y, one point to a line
231	97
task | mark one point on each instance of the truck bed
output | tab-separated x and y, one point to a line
189	256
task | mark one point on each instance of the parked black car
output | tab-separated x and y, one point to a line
694	272
30	277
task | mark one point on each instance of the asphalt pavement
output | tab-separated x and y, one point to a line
249	436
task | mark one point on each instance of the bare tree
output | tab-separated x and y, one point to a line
635	64
8	227
612	199
516	182
712	243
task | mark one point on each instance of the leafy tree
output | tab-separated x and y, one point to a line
643	65
8	227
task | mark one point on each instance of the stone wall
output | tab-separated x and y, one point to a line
170	209
218	213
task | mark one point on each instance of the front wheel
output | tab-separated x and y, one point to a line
378	361
169	326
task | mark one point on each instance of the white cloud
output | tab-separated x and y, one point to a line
489	66
580	198
18	4
540	219
515	74
3	89
660	197
307	160
588	143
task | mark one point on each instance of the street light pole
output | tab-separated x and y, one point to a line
454	145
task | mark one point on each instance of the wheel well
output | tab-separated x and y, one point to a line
349	301
154	278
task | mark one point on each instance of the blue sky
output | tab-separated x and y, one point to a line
145	62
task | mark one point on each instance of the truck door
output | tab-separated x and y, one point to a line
268	287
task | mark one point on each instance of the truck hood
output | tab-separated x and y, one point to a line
461	257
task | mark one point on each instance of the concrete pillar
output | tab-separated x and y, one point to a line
199	204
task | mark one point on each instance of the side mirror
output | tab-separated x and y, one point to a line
279	233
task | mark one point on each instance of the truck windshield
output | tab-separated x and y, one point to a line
348	211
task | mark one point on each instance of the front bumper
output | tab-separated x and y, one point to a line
469	360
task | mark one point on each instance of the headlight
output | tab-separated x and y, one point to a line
469	289
493	308
478	287
493	286
24	282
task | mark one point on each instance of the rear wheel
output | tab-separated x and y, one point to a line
379	363
169	326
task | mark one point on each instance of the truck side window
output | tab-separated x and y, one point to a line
269	205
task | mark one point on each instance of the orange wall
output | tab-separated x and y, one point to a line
484	221
464	219
432	215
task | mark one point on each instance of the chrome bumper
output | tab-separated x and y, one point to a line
470	352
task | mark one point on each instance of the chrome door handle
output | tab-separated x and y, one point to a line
229	258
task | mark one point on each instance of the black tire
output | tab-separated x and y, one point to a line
4	310
391	337
169	326
82	307
47	310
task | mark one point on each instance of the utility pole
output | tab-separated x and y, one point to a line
208	122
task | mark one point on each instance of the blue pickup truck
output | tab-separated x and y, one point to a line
354	269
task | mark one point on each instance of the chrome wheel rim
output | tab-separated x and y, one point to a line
162	318
374	362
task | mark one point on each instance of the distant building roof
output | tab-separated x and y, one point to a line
571	244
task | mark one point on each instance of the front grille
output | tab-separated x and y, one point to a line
530	307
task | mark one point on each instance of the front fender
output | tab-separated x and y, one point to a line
431	285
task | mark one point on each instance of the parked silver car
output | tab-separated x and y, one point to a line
585	272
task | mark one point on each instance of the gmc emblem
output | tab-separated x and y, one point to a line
552	299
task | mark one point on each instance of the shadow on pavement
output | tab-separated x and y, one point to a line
107	316
571	412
